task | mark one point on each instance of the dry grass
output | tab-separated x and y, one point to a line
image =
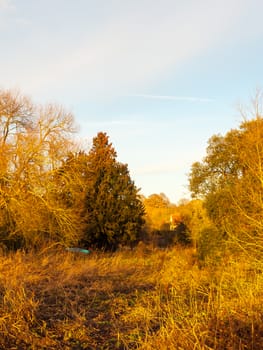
142	299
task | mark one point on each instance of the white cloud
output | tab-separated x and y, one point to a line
132	49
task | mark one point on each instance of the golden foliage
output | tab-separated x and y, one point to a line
34	142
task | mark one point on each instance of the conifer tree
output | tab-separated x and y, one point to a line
114	211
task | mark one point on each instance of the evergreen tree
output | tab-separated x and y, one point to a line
114	211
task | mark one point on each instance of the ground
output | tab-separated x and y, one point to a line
145	298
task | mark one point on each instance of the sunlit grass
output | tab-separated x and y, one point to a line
140	299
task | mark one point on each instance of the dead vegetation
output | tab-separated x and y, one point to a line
140	299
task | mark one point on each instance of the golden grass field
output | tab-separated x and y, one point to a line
144	298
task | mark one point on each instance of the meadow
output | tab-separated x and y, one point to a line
145	298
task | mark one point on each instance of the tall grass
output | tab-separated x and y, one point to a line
141	299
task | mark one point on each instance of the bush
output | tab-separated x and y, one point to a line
211	245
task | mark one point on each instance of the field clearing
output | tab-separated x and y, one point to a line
140	299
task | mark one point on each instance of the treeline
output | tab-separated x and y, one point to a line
167	223
50	191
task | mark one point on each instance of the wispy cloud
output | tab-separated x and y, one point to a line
108	123
6	5
174	98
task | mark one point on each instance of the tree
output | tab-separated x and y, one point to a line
230	179
194	217
34	142
114	211
158	209
157	201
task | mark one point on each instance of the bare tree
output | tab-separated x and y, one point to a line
34	142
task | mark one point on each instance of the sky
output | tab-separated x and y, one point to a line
160	77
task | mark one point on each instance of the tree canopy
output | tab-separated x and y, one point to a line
34	141
230	180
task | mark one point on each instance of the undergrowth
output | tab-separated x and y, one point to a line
139	299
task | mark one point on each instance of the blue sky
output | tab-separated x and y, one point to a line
160	77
